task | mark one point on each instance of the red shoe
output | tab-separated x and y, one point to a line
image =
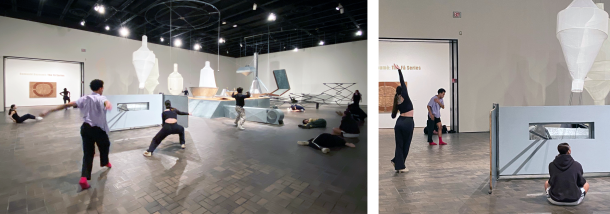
432	143
83	183
108	165
442	143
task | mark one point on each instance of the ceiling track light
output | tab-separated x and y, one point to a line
224	23
178	43
82	22
99	8
359	33
321	42
271	17
234	25
107	27
254	6
221	40
162	39
124	32
197	47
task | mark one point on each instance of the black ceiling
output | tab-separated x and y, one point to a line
299	24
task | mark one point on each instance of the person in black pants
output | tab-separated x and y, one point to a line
325	140
94	130
15	117
170	126
403	130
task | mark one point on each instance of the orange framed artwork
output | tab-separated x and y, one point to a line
387	90
43	89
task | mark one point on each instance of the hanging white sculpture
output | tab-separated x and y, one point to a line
581	30
206	76
175	81
143	61
153	78
597	82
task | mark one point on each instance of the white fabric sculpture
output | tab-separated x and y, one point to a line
143	61
581	30
206	76
597	82
153	78
175	81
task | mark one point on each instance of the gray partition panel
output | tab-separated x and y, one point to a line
493	123
518	155
215	109
181	103
134	111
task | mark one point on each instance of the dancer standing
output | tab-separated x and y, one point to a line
403	130
239	107
15	117
357	98
94	130
66	95
170	126
434	116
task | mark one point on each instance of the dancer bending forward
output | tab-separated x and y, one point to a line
170	126
325	140
403	130
94	130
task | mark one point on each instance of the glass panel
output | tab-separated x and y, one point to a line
558	131
132	106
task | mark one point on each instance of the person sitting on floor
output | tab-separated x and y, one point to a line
313	123
324	141
355	111
567	186
348	128
296	107
12	112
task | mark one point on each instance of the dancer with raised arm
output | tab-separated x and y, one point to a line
240	101
94	130
403	130
170	126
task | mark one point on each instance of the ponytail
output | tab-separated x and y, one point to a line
168	104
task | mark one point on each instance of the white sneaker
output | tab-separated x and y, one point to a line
147	154
240	127
39	118
403	170
325	150
183	146
303	143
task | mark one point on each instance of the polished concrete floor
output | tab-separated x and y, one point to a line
222	170
454	178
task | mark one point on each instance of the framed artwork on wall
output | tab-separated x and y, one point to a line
387	90
43	89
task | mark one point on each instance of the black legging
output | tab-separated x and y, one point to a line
66	100
168	128
403	132
25	117
326	140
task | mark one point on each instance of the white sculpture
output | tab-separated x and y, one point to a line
175	81
206	76
153	78
143	61
597	82
581	30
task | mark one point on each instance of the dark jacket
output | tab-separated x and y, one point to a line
315	123
349	125
566	179
240	99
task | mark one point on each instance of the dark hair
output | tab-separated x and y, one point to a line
304	121
11	110
96	84
65	89
240	89
563	148
357	91
168	104
396	97
441	91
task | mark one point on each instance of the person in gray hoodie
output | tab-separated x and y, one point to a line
567	186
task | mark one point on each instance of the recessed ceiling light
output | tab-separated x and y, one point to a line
162	39
102	9
197	47
254	6
271	17
82	23
359	33
295	49
321	42
224	23
240	45
177	42
234	25
124	32
221	40
107	28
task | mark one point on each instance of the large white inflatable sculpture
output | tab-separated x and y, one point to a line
175	81
143	62
597	82
581	30
207	83
153	78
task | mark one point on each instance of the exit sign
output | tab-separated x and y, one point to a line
457	14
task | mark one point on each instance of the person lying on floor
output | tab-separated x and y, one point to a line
348	128
296	107
567	186
313	123
324	141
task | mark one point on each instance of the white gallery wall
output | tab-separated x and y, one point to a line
21	72
107	57
308	68
508	50
434	59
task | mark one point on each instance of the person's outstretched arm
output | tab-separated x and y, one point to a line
404	92
181	112
248	94
61	107
233	94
